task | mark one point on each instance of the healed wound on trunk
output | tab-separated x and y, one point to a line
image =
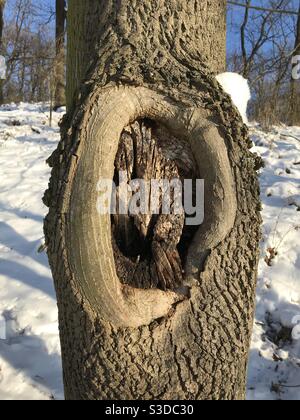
137	130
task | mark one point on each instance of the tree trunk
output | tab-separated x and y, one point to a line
207	18
60	84
295	89
2	5
141	97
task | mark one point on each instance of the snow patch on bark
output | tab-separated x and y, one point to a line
238	88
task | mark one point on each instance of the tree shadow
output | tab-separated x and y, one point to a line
23	214
11	239
271	377
43	141
28	355
270	380
13	269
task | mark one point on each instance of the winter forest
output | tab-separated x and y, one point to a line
149	202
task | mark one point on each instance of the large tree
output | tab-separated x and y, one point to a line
151	308
60	84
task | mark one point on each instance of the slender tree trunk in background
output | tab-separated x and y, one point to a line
243	41
169	317
295	84
2	5
60	95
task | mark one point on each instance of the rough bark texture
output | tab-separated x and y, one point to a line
183	28
148	60
60	84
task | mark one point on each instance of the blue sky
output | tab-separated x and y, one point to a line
234	17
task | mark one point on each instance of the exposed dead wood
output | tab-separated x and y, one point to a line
146	246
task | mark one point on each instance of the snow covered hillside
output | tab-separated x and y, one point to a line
275	355
30	366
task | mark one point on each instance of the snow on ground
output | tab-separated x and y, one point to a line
30	366
275	354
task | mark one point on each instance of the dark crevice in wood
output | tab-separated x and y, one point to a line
150	251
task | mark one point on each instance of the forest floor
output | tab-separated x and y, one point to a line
30	363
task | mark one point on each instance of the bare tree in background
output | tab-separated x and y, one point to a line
262	32
264	58
295	90
2	5
60	84
29	49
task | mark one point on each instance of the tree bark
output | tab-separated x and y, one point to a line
191	24
131	64
60	83
295	89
